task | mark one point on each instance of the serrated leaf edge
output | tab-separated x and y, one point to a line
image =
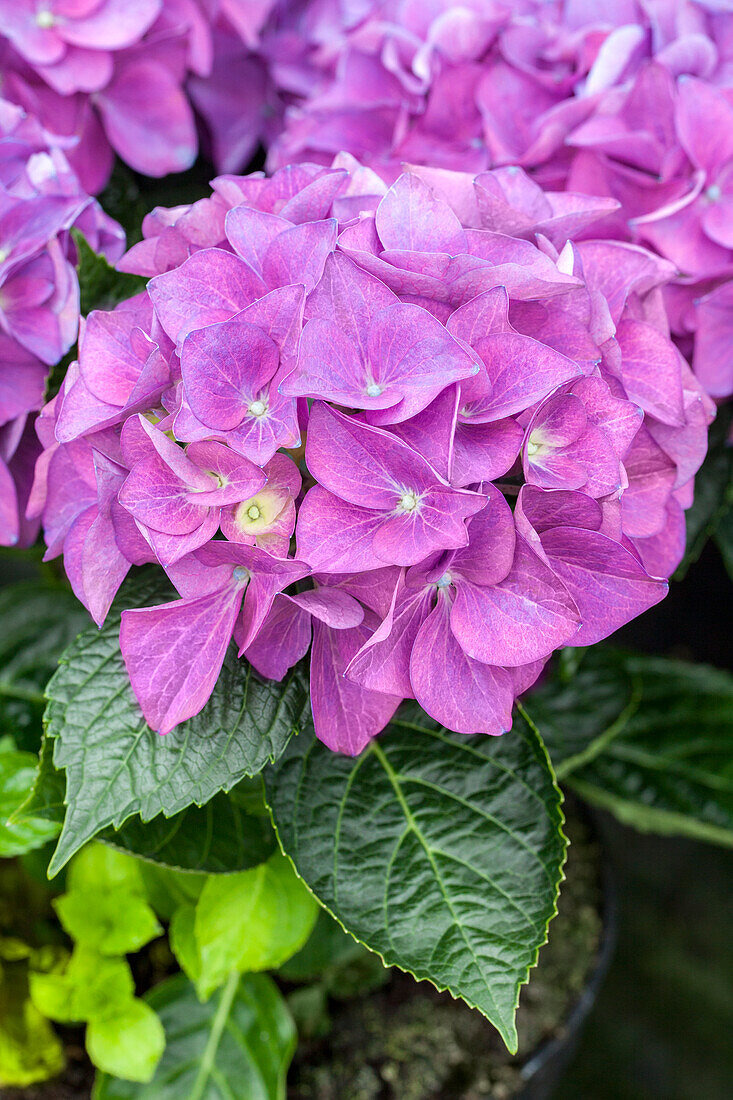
508	1033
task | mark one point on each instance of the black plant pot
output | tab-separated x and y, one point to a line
544	1068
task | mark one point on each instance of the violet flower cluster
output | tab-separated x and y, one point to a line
108	76
40	201
631	99
417	429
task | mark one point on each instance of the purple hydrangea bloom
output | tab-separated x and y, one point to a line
40	201
629	101
108	76
416	428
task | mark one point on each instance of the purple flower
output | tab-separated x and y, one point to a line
346	716
108	77
373	373
176	497
40	201
226	590
377	495
628	102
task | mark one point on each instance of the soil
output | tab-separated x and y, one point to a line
409	1042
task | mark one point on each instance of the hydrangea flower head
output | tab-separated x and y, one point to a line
417	429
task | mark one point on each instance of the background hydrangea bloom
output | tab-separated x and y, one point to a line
380	421
630	100
109	75
40	200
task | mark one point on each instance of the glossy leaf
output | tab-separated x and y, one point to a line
219	837
661	756
343	966
116	766
238	1043
441	853
229	833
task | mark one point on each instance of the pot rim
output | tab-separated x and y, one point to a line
552	1047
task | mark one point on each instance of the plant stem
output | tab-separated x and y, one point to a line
207	1061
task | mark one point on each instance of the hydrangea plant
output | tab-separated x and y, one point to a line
372	452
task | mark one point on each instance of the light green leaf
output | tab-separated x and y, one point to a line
39	621
116	766
239	1043
30	1051
112	922
251	921
662	759
168	890
441	853
98	868
90	986
183	943
127	1042
17	774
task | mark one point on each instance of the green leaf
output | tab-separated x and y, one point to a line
713	502
662	760
90	986
98	867
100	285
219	837
229	833
251	921
239	1043
577	715
112	921
116	766
38	621
17	774
441	853
128	1042
168	890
